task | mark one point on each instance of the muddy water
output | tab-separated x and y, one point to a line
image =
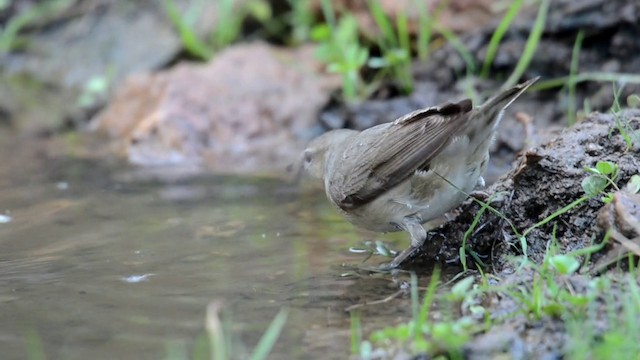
98	261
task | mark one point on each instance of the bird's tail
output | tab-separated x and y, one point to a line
506	97
488	115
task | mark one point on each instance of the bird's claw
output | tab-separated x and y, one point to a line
398	261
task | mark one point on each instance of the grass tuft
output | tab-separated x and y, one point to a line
531	45
575	60
497	36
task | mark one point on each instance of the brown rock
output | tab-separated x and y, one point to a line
251	109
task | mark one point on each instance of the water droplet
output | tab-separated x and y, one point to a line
132	279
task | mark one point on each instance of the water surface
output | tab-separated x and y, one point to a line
98	261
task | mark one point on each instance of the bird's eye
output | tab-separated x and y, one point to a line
308	156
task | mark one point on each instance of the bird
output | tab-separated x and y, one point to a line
399	175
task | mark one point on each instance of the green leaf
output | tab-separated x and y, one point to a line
593	185
336	68
633	186
270	336
260	9
633	101
564	264
321	32
606	167
554	309
577	300
461	288
607	198
361	57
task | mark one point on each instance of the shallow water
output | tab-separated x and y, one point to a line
98	261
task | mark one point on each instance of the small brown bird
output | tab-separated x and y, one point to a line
391	177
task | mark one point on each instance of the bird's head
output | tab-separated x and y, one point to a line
319	150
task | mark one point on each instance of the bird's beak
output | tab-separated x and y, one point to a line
295	172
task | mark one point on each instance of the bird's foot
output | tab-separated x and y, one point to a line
399	260
479	195
492	199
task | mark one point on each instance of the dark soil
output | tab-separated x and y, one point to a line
547	178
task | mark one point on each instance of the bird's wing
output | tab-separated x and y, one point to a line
382	157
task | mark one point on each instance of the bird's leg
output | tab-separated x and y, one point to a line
413	226
480	194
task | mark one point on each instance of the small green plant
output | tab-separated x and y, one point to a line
629	134
530	46
422	335
394	44
228	25
467	234
497	36
339	47
547	295
219	335
185	25
603	175
9	33
575	60
525	60
633	186
587	339
301	20
425	28
95	88
34	347
633	101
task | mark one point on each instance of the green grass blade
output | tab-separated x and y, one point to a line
35	350
429	296
573	70
229	24
530	46
469	232
403	33
9	33
190	40
356	333
587	76
404	72
215	330
425	30
556	213
270	336
497	36
329	15
389	39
